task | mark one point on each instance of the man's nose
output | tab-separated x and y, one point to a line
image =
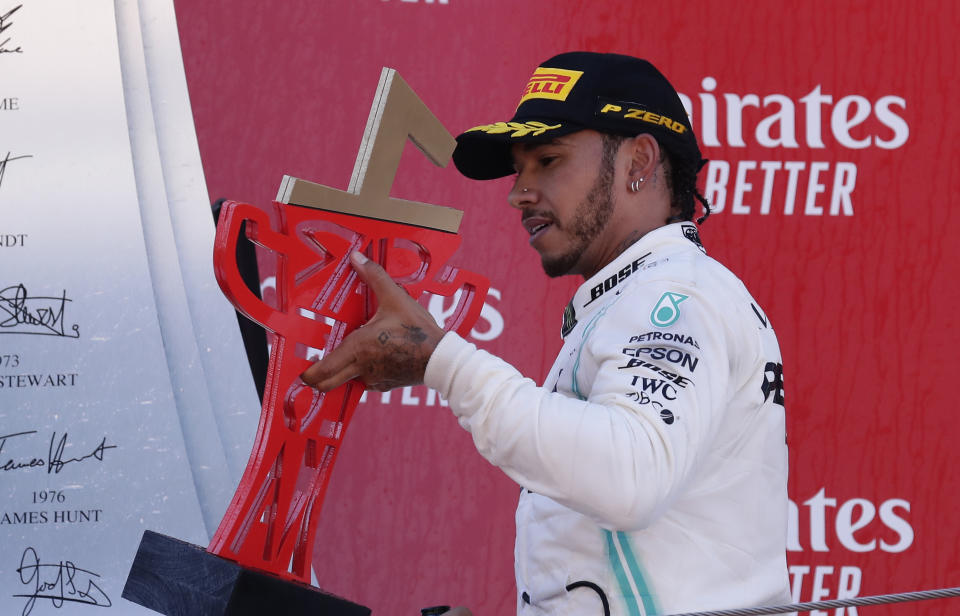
522	194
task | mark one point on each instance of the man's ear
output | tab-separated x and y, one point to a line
644	157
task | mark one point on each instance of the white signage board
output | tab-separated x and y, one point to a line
108	422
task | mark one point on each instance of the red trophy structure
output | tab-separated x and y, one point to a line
259	558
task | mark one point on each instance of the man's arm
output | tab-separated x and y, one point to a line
609	456
600	444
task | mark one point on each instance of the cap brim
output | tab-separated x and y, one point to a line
484	153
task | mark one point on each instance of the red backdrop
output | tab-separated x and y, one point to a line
835	153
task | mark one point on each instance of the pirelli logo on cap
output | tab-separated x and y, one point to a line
552	83
635	112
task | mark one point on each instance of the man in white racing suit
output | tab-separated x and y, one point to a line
653	458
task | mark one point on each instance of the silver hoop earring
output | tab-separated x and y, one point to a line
635	185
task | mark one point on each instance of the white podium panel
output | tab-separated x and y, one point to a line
108	424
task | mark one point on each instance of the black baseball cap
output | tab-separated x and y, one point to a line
606	92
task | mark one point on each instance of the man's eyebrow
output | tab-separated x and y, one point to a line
533	145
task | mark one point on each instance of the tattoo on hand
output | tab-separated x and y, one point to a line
415	334
404	362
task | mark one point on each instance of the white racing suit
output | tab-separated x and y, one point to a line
653	459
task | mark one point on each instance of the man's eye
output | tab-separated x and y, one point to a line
546	161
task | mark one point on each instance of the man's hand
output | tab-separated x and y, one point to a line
391	350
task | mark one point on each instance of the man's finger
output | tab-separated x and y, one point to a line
332	381
321	377
374	276
338	365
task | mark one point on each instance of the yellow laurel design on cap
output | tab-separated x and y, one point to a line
520	129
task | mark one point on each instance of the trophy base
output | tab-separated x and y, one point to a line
176	578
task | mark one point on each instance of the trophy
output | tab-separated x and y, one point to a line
259	558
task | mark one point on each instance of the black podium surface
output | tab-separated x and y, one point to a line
176	578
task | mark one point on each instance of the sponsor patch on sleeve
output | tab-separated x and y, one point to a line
667	310
690	232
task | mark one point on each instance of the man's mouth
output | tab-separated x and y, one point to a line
536	226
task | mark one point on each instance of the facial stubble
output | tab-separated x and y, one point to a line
590	217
